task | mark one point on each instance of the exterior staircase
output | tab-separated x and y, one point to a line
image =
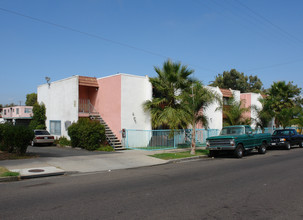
110	136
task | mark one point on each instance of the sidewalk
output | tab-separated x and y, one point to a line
45	166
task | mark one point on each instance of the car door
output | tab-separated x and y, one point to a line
250	138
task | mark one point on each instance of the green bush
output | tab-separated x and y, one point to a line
105	148
86	134
8	137
63	141
39	117
15	138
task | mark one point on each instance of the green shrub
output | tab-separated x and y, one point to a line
23	136
63	141
105	148
86	134
39	117
8	137
16	138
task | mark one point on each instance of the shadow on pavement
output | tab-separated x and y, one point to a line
53	151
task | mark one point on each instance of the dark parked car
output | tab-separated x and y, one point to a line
42	137
286	138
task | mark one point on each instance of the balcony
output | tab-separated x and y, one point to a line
86	108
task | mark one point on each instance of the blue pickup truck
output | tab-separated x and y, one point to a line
286	138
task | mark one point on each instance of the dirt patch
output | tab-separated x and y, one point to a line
12	156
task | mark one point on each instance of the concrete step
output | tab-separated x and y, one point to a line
110	136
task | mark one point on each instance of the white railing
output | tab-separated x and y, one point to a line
85	106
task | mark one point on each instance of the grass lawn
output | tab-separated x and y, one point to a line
5	172
178	155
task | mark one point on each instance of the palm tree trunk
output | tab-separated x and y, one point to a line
193	140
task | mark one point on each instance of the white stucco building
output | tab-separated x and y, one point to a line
117	99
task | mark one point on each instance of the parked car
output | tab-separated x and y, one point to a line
42	137
237	139
286	138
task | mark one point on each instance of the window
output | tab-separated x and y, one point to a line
248	130
27	110
17	111
226	101
55	127
4	111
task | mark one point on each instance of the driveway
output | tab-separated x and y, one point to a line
53	151
78	160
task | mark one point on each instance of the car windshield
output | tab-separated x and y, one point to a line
281	132
232	131
41	133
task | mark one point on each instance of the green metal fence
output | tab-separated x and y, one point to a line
165	139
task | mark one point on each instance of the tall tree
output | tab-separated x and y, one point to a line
282	95
285	117
165	107
195	100
298	120
31	99
39	117
238	81
264	115
233	112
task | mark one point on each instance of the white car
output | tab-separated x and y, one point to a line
43	137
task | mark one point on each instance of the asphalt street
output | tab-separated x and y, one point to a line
255	187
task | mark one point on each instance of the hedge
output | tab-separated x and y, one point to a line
86	134
15	139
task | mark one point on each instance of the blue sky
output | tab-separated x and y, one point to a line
58	39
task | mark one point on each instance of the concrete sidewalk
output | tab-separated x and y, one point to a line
43	166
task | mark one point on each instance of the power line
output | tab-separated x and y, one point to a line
83	32
96	36
276	65
269	22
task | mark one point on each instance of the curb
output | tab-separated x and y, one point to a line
9	178
187	158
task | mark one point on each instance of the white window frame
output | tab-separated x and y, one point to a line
55	127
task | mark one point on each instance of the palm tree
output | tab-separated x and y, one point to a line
282	96
165	107
264	115
195	100
234	113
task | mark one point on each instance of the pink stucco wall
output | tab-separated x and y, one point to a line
18	112
246	103
108	102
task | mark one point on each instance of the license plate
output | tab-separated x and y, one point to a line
273	143
45	137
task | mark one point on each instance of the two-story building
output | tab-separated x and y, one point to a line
116	101
18	115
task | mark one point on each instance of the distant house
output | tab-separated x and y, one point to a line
18	115
114	100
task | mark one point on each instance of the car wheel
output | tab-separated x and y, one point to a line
239	151
287	146
301	144
262	148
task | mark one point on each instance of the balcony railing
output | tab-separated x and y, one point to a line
85	106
